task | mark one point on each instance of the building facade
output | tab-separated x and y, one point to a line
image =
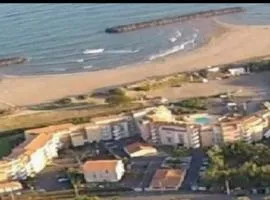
103	170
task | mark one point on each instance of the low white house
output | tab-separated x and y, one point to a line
138	149
237	71
103	170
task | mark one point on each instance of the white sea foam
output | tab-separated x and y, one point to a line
122	51
93	51
173	39
196	30
173	50
58	69
87	67
80	60
178	34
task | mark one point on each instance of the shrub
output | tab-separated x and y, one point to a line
118	99
117	91
64	101
81	97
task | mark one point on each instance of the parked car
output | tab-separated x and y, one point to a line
201	188
61	180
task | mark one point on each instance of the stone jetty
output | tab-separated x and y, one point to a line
176	19
11	61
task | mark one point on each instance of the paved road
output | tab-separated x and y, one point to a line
194	169
150	171
182	196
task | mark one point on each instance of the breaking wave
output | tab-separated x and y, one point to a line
87	67
174	49
93	51
122	51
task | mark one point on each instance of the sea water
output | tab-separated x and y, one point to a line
67	38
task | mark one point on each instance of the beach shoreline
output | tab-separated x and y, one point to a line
231	43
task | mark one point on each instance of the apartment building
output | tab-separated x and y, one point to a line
30	157
85	133
231	132
178	134
253	128
160	127
207	136
103	170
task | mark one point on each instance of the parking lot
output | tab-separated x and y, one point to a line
48	180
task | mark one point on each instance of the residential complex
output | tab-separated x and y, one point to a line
41	145
156	126
103	170
161	128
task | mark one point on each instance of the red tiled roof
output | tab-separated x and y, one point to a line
167	178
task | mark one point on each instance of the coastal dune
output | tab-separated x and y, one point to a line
230	44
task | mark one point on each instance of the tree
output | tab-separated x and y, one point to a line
75	179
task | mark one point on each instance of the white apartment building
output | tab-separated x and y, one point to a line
177	134
103	170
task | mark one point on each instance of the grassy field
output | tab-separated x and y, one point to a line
8	142
58	116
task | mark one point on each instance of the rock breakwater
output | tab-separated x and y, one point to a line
176	19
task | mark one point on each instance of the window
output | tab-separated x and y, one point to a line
169	140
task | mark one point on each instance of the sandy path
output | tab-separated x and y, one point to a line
238	43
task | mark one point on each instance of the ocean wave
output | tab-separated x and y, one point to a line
196	30
173	50
122	51
173	39
58	69
87	67
93	51
80	60
178	34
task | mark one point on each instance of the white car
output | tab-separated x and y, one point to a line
61	180
202	188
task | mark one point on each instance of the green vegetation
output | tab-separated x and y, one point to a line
188	105
181	152
239	165
46	118
82	97
117	96
79	120
117	91
64	101
118	99
258	66
75	178
173	81
8	142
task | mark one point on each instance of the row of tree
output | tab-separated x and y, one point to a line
239	165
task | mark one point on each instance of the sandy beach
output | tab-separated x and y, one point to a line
232	43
